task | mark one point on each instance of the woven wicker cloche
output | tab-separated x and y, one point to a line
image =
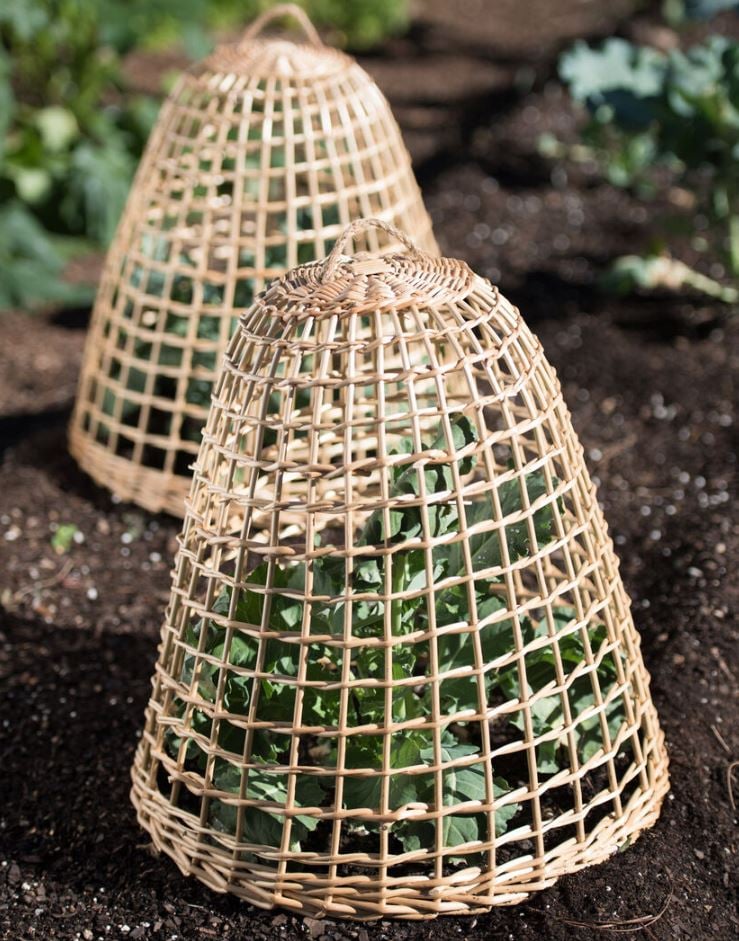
398	674
260	157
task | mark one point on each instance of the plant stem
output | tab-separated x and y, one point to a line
734	244
723	292
661	271
396	583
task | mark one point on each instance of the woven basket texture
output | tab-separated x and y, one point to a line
398	674
261	155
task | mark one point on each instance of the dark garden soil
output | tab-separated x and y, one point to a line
651	386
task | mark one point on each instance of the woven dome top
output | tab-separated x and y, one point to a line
259	56
367	282
264	57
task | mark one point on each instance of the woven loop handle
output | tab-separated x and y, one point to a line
361	225
284	9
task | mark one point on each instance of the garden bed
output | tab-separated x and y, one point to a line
649	382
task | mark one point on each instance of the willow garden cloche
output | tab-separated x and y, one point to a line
261	155
398	674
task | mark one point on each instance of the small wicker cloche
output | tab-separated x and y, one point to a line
260	157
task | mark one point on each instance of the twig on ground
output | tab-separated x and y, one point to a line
45	582
729	784
638	923
721	740
613	450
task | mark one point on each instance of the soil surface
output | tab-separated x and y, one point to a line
650	382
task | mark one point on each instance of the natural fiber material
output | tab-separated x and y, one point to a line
260	157
398	673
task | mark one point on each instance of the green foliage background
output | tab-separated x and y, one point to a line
676	110
71	131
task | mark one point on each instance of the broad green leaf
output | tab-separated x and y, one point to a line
624	77
262	826
460	785
237	693
97	187
285	612
705	9
459	829
517	534
25	19
32	264
58	127
485	547
7	98
503	815
457	650
366	791
405	522
547	712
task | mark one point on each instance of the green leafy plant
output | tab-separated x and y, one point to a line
660	271
359	24
63	537
71	129
676	12
389	571
32	263
678	110
68	142
180	291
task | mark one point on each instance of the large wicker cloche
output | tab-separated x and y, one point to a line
398	675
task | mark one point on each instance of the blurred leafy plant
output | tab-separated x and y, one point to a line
68	142
678	110
71	131
356	24
652	272
63	537
359	24
31	262
677	12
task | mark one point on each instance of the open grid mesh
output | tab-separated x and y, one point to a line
398	673
260	157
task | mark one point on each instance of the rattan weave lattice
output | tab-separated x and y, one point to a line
260	157
398	673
